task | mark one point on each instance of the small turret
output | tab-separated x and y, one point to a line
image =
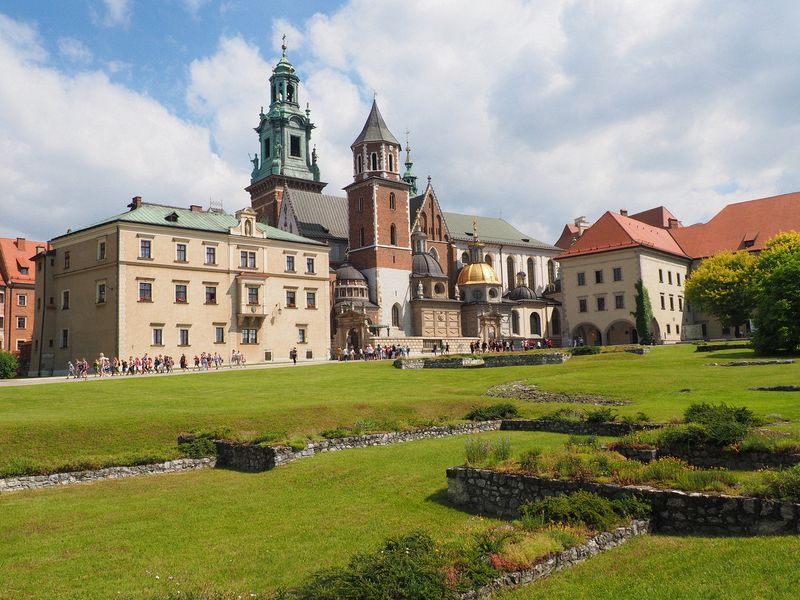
408	176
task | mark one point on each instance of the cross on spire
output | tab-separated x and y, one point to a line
283	45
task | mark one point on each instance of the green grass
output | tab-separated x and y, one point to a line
77	424
229	531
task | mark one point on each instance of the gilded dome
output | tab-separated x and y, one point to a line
479	272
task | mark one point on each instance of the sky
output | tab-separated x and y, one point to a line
534	111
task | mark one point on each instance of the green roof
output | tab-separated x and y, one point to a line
491	230
184	218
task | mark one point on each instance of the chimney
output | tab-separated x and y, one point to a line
582	224
196	208
623	212
20	243
135	203
673	223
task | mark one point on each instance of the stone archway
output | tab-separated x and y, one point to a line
589	333
621	332
656	332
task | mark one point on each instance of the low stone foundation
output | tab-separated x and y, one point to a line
484	360
715	347
674	511
750	363
254	458
568	558
612	429
715	458
35	482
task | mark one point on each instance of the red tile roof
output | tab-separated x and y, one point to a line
744	225
15	257
613	232
658	217
570	233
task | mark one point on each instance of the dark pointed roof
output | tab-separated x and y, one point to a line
424	265
375	129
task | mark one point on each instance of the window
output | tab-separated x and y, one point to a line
291	299
247	259
294	146
510	272
464	258
678	278
536	324
66	259
22	322
311	299
2	297
361	236
211	255
145	291
290	264
180	252
64	339
680	303
101	250
392	204
514	322
23	270
180	293
601	304
301	335
617	273
145	249
582	305
393	235
183	337
396	315
22	300
373	161
158	336
581	278
252	295
531	274
669	277
598	276
211	294
359	164
101	293
671	303
551	271
663	302
391	163
488	260
310	264
65	300
668	328
249	336
555	322
660	276
678	329
267	143
219	335
361	205
619	301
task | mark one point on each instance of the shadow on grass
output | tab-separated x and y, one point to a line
728	355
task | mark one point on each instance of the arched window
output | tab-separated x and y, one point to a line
439	289
551	271
391	200
489	260
434	254
531	275
555	322
396	315
510	272
514	322
361	236
359	164
393	235
438	227
391	162
274	94
373	159
290	93
536	324
464	258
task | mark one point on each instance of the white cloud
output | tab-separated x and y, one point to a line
100	145
193	7
74	50
117	13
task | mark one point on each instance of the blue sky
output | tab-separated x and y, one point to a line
536	111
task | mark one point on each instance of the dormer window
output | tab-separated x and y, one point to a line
172	217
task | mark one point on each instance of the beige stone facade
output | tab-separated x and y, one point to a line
144	283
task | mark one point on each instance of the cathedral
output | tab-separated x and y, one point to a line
403	271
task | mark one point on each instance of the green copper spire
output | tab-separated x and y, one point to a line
408	176
284	132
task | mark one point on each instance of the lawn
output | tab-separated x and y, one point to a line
78	424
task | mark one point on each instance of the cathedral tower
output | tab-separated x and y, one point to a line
285	158
380	240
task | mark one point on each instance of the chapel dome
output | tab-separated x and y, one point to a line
348	272
477	273
521	292
424	265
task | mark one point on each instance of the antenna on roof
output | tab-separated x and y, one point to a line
215	206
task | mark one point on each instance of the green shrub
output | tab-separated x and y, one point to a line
530	460
564	537
715	480
338	432
8	365
265	439
584	350
298	444
589	441
664	470
494	412
198	448
476	450
569	466
708	414
601	415
501	449
684	437
580	509
563	415
778	485
219	433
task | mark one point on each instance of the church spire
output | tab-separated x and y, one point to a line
409	176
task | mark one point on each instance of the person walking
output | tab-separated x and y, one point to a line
293	355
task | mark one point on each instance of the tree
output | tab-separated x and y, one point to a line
721	286
776	292
8	365
643	314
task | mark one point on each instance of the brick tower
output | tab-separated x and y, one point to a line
380	239
284	135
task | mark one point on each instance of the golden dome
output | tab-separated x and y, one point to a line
477	273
